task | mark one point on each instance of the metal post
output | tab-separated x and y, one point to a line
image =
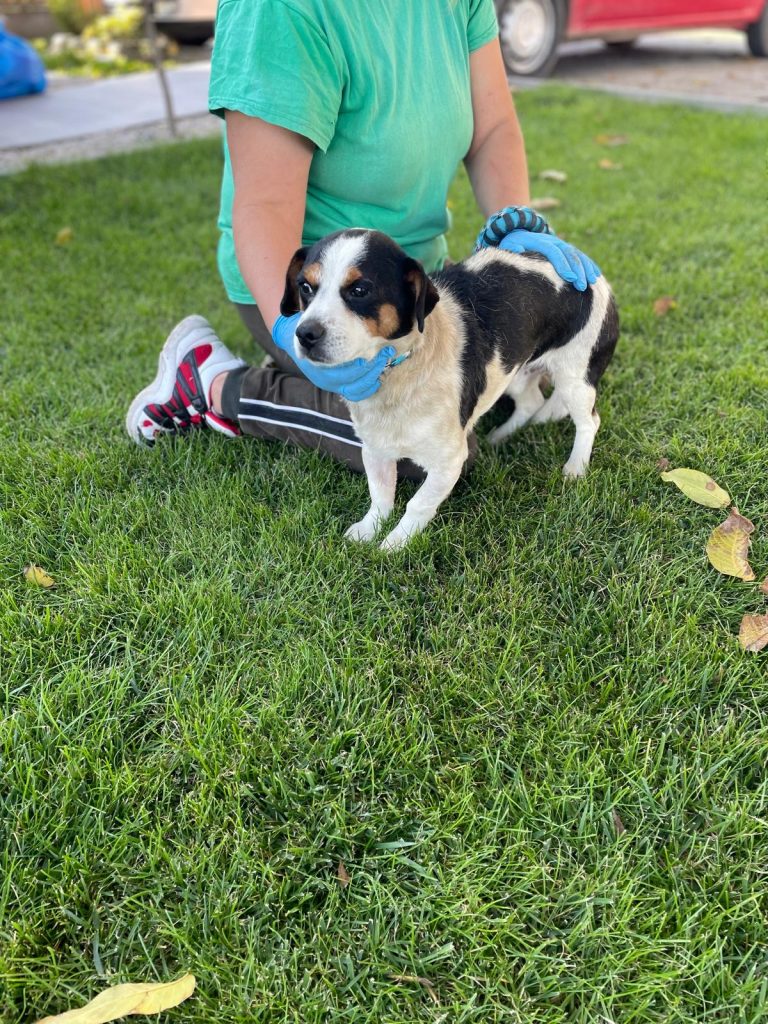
157	60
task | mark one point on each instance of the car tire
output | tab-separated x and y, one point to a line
529	33
757	35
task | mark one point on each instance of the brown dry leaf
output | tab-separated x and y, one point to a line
728	546
753	635
38	576
545	203
608	165
698	487
550	175
764	585
663	305
343	875
611	140
618	824
663	464
127	1000
419	981
65	236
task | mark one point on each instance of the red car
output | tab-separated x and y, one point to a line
530	30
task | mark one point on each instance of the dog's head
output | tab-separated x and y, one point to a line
357	290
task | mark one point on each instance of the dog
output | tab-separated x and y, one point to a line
496	323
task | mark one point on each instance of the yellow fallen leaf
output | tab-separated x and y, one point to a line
343	875
728	547
663	305
549	175
764	585
753	635
611	140
40	578
545	203
64	237
128	1000
608	165
698	487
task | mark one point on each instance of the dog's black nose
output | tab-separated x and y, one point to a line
309	332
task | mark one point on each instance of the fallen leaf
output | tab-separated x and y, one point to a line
559	176
698	487
608	165
663	305
419	981
343	875
618	823
545	203
127	1000
663	464
764	585
728	547
753	635
611	140
65	236
40	578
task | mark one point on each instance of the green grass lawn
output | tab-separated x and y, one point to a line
532	739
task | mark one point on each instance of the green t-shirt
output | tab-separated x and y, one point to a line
381	88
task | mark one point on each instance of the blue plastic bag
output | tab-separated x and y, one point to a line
21	70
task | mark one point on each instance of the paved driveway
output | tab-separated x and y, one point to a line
710	67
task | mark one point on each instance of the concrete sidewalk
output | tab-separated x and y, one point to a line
112	112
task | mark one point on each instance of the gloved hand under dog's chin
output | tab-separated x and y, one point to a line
355	380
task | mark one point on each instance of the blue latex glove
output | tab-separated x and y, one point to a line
571	264
355	380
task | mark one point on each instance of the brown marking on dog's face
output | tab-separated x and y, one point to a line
385	323
313	273
352	275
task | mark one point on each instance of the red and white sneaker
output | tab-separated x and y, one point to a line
178	399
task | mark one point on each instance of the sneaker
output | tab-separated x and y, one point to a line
178	399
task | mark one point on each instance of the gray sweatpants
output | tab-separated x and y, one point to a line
280	404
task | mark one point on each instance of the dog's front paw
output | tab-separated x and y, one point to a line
360	532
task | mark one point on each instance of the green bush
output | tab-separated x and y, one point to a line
72	15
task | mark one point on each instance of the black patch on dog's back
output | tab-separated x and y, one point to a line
517	314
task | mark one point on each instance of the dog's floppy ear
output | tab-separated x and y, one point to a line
290	300
425	296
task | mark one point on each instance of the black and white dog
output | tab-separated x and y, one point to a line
497	322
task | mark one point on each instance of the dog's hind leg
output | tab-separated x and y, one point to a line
421	508
382	483
552	409
524	388
579	399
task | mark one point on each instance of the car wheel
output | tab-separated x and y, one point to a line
529	32
757	35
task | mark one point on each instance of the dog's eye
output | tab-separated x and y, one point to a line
360	290
306	289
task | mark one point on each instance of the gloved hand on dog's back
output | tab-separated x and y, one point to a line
355	380
521	229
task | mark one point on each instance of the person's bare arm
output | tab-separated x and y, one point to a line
270	166
496	161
